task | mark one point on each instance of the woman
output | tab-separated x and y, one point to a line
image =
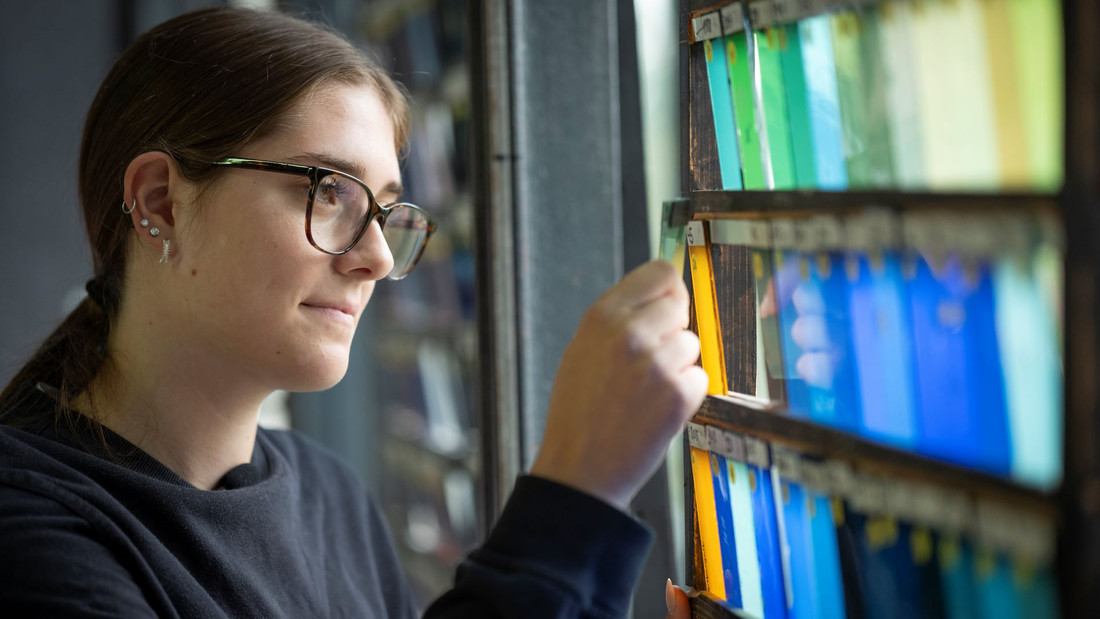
231	169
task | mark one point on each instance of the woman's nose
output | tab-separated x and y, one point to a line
371	253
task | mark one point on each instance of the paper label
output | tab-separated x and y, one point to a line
1012	231
957	512
786	11
974	236
760	234
822	233
859	234
868	495
707	26
900	500
924	504
725	444
931	232
697	436
730	232
737	447
784	235
756	452
806	235
841	479
815	476
788	463
1025	536
994	525
873	231
809	8
1051	231
762	14
733	18
695	237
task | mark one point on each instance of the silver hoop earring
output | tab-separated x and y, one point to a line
144	223
164	252
154	231
132	206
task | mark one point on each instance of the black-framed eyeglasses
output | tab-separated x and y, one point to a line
340	208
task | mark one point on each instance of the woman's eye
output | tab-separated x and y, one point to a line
328	193
333	191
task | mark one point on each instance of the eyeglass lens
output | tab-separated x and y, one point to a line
406	232
340	208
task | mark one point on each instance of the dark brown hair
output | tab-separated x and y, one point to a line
198	87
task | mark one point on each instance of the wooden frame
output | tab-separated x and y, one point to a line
1077	502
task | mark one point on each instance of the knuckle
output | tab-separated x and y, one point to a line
690	341
663	374
600	314
635	338
664	269
684	399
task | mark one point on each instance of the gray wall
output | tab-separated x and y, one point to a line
52	56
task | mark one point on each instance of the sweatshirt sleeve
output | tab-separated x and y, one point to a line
53	567
556	553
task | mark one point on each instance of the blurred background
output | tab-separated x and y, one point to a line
529	120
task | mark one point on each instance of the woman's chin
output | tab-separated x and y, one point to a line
317	372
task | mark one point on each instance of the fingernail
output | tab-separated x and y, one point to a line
670	597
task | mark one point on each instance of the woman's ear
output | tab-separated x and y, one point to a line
151	189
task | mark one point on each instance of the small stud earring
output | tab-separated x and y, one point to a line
154	231
144	223
129	209
164	252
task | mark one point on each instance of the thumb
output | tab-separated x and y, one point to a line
677	602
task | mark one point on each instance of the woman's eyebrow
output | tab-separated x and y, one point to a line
332	161
394	189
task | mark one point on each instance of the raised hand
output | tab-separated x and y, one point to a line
626	386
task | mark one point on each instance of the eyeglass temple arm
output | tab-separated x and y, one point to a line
257	164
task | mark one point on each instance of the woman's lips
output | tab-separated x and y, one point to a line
337	313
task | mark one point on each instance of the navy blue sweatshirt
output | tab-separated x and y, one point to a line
90	533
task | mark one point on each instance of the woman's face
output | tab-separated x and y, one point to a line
263	304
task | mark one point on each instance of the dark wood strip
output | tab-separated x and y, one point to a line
776	425
715	204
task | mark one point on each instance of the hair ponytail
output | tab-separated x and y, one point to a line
70	358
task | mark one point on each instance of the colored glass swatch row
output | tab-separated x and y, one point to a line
963	95
783	535
936	332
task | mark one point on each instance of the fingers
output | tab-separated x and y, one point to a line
695	382
675	361
653	323
644	284
678	352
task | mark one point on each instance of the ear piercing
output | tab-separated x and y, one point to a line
154	231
